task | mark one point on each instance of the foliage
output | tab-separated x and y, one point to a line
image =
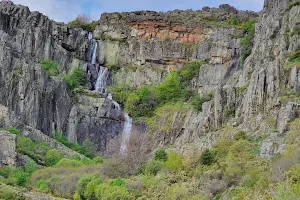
13	131
106	191
140	103
50	66
65	162
174	162
160	154
206	158
83	182
85	150
247	40
43	186
53	156
153	167
76	78
120	93
190	70
199	100
83	21
89	193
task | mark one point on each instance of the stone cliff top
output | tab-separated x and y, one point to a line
224	12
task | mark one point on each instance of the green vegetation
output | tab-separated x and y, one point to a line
247	40
206	158
53	156
297	3
144	101
199	100
160	154
76	78
50	66
83	21
86	149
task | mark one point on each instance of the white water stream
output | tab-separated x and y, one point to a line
99	86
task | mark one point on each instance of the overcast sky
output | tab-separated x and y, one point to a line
67	10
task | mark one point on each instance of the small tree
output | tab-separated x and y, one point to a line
160	154
53	156
206	158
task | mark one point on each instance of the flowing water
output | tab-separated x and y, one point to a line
99	86
126	133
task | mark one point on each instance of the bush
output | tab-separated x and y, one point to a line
13	131
206	158
153	167
83	182
160	154
53	156
97	160
141	103
50	66
170	90
75	146
189	71
107	192
22	177
174	162
76	78
83	21
91	188
43	186
199	100
31	167
241	135
65	162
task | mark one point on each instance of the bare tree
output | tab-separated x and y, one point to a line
84	18
138	150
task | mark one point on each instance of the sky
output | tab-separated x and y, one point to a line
67	10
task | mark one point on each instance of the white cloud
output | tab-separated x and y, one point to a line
67	10
58	10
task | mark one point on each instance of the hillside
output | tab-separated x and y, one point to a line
188	104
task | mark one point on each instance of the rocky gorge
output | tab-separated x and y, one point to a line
247	67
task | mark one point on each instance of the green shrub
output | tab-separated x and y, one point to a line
84	22
190	70
108	192
241	135
294	56
43	186
97	160
206	158
13	131
75	146
117	182
160	154
50	66
26	143
170	90
174	162
65	162
30	167
22	177
83	182
53	156
76	78
153	167
141	102
89	193
199	100
120	93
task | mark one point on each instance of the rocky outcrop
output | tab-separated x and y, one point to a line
8	149
167	40
33	98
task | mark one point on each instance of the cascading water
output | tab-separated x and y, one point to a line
99	86
126	133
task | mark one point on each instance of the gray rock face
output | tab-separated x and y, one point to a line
8	148
29	95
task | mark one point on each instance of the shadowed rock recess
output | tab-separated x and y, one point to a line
249	70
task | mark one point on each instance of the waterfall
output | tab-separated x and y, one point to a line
90	36
101	84
101	80
126	133
94	55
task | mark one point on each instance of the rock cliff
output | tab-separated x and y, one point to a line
145	47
